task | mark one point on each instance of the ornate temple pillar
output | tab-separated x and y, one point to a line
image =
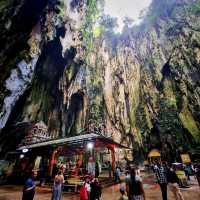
112	149
80	158
79	163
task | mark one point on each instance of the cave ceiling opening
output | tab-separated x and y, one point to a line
132	9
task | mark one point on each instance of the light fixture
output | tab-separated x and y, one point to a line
24	150
90	145
21	156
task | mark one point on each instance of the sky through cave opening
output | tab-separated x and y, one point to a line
126	8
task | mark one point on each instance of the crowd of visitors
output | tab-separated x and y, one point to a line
165	175
91	189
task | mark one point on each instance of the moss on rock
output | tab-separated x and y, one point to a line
189	123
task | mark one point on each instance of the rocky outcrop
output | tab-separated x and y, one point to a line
150	78
47	85
140	87
16	84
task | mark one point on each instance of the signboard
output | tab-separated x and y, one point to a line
185	158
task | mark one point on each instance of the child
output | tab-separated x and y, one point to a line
83	192
123	193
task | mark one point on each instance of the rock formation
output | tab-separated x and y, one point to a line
140	87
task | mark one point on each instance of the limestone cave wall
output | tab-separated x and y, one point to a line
140	87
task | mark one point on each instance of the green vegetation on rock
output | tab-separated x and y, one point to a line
194	8
92	14
61	8
189	123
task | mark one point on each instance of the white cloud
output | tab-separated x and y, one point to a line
123	8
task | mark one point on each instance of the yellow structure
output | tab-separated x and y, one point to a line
185	158
154	154
180	174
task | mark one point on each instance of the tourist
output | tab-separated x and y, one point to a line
109	169
161	175
134	187
186	169
100	167
173	182
95	193
70	164
54	170
62	167
197	173
29	187
127	176
91	166
123	194
138	173
117	174
57	187
87	185
84	192
96	170
42	172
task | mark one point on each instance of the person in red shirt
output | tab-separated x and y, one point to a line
83	192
